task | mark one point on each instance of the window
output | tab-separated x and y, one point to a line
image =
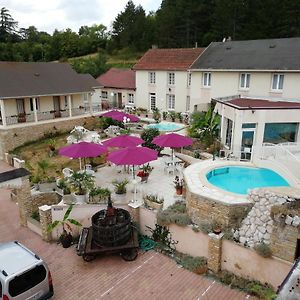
171	78
249	125
151	77
189	79
37	104
206	79
24	282
244	81
171	102
280	132
277	82
104	95
130	98
188	103
85	97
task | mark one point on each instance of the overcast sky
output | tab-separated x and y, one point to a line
47	15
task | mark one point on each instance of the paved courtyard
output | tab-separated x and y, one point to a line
151	276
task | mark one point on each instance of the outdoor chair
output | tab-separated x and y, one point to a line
67	172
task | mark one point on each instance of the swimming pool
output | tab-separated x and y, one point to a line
166	126
240	179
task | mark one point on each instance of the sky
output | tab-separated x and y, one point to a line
48	15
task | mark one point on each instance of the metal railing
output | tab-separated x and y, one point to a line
16	119
285	154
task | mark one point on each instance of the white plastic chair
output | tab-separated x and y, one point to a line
67	172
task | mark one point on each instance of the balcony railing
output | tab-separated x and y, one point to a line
50	115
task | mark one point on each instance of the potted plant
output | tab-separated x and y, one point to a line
66	237
173	115
179	116
46	183
145	172
153	201
81	183
120	186
178	185
165	115
156	115
21	117
99	195
64	191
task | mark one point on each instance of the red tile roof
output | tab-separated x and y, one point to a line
250	104
118	78
168	59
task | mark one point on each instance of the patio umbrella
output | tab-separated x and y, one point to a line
82	150
172	140
120	116
123	141
132	156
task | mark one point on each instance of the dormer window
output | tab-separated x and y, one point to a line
277	82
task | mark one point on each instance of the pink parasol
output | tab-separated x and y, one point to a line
82	149
172	140
123	141
120	116
132	156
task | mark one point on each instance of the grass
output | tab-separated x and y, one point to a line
37	151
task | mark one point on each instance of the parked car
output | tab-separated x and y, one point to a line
23	275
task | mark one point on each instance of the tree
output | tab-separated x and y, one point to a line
8	26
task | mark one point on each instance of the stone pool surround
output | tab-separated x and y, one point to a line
207	203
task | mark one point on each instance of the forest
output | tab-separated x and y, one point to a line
177	23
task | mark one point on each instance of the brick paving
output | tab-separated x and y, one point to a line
150	276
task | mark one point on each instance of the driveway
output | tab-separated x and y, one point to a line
150	276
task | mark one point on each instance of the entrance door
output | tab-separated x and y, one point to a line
152	101
119	100
56	105
247	143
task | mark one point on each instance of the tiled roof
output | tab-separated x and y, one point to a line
251	104
168	59
118	78
24	79
269	54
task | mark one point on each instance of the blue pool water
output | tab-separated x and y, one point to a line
240	179
165	126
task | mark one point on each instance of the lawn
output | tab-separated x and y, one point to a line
40	151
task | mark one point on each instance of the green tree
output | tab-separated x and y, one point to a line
8	26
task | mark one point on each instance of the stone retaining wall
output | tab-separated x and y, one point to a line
207	211
40	199
258	225
15	137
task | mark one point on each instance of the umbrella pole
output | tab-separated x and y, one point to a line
80	163
134	184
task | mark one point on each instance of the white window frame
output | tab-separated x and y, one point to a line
207	79
104	95
151	77
171	78
130	97
189	79
245	81
171	101
277	83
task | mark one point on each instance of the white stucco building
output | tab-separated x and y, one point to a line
163	80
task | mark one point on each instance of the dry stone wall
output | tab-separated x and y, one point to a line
258	225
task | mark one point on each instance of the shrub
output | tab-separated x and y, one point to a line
263	250
174	214
120	186
148	135
192	263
